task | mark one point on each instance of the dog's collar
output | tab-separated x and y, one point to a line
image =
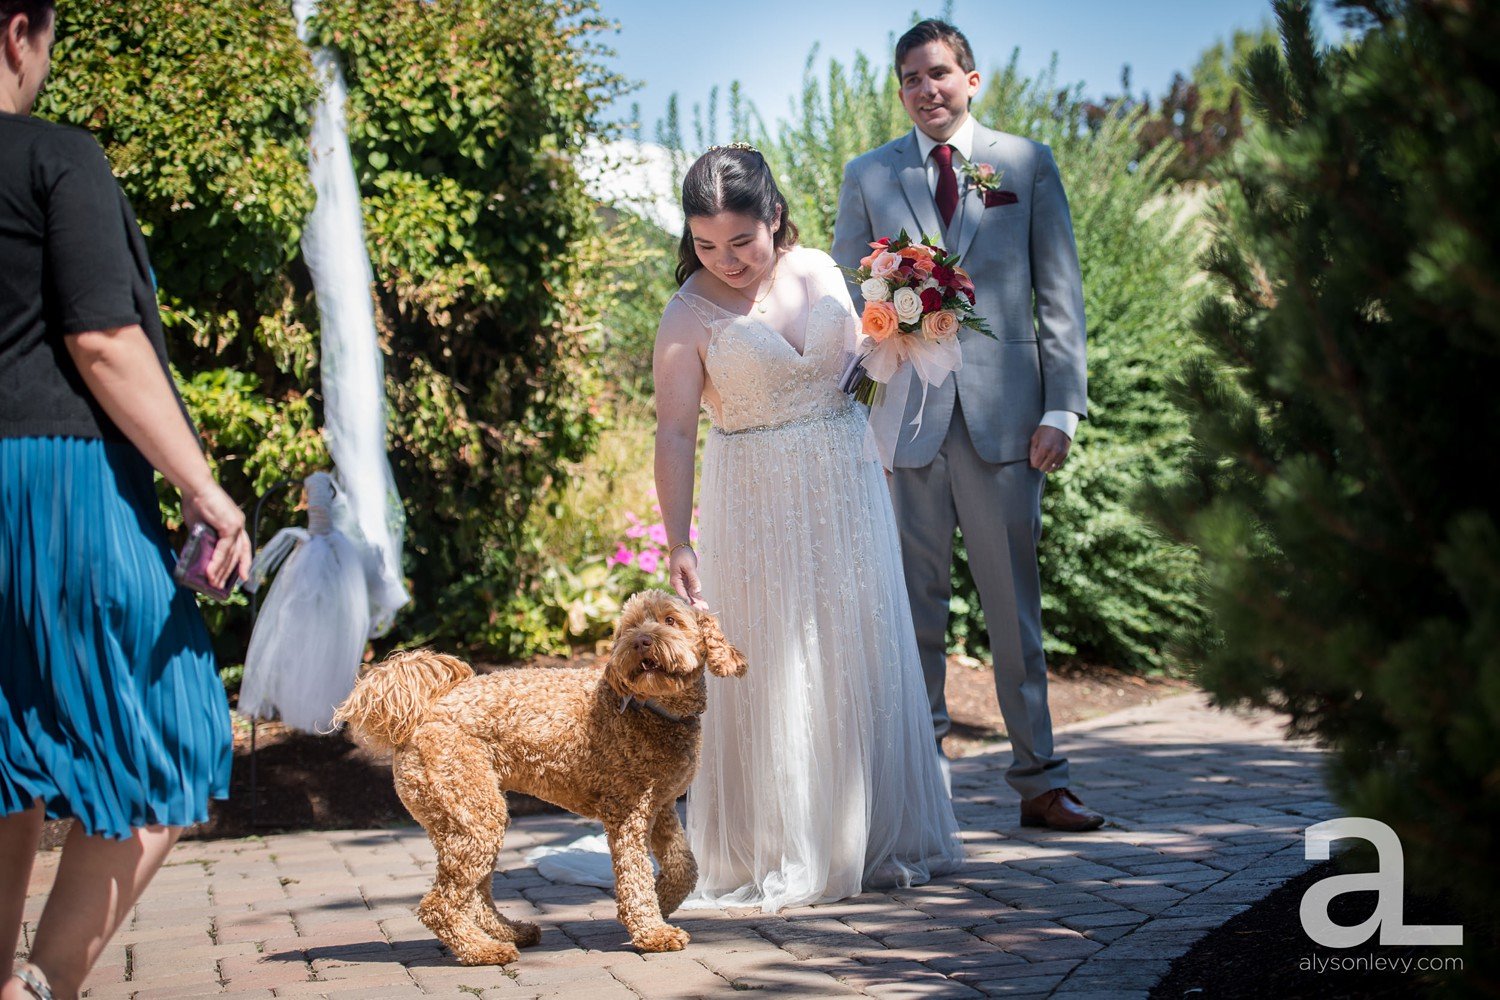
650	705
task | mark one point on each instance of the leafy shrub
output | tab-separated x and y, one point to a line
464	116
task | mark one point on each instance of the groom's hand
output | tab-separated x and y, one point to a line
1049	448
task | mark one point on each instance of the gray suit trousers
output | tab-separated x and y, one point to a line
999	510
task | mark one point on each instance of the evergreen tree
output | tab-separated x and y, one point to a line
1344	417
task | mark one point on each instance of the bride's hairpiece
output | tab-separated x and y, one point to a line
743	147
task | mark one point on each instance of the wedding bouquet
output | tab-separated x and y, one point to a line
916	300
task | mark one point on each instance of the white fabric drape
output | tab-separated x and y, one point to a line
309	637
333	245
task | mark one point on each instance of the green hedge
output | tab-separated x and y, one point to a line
465	116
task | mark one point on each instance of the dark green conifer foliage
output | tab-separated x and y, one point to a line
1346	417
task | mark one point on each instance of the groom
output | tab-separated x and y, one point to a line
989	435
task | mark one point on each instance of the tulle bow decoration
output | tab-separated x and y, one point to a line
932	361
309	637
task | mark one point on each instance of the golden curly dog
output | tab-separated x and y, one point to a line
619	747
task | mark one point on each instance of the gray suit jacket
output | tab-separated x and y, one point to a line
1025	269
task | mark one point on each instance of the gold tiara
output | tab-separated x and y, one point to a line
743	147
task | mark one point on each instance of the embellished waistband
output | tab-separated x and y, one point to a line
816	418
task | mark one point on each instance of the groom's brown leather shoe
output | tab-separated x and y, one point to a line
1059	809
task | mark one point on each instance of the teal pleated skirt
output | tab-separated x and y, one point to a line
111	708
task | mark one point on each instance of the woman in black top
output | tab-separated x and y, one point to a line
111	710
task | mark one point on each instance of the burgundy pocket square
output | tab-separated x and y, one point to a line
993	198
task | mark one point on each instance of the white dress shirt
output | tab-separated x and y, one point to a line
962	142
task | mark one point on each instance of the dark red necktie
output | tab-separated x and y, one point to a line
947	185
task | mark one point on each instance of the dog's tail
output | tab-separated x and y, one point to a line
393	697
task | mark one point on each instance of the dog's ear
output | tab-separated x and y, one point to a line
723	659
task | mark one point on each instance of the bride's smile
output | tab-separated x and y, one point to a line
739	250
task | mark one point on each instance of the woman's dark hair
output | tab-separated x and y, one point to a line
933	30
38	12
730	179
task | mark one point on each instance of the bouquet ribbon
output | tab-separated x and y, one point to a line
931	360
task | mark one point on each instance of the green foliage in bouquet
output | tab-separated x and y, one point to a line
465	117
1341	419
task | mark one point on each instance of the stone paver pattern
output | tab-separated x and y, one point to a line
1206	811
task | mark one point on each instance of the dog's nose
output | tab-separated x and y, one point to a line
643	642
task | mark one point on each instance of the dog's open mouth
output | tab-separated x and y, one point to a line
650	666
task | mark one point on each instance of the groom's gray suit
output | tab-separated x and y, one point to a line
968	464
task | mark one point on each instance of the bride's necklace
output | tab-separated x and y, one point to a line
758	304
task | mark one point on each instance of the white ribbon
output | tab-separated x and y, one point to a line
333	245
932	361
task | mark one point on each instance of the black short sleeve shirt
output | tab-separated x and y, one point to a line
72	259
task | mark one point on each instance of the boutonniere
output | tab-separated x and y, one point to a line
985	179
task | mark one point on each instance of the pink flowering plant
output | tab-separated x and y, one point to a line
643	550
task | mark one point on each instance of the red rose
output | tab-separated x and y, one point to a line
943	275
932	300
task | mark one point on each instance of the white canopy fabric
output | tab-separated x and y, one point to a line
333	245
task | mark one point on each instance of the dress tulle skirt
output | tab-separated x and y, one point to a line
111	708
819	774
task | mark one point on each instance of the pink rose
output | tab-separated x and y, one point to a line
884	265
880	320
984	171
940	324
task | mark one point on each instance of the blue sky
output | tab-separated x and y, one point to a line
688	46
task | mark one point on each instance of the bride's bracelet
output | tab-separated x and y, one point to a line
680	545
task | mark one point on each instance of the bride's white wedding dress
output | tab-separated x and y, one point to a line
819	774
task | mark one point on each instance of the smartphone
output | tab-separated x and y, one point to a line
193	560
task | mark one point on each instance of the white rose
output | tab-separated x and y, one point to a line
908	305
874	290
929	283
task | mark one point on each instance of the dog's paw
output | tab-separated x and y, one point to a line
496	953
527	934
663	938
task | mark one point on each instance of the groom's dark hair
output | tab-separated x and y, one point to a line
933	30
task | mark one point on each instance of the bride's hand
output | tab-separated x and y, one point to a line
682	572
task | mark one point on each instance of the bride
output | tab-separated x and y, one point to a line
817	776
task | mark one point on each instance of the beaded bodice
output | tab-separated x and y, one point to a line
760	378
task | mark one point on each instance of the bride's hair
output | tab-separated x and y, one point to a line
38	12
730	179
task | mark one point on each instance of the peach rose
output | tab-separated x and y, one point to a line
924	266
940	324
884	265
917	252
880	320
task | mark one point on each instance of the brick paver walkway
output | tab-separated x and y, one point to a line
1206	812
